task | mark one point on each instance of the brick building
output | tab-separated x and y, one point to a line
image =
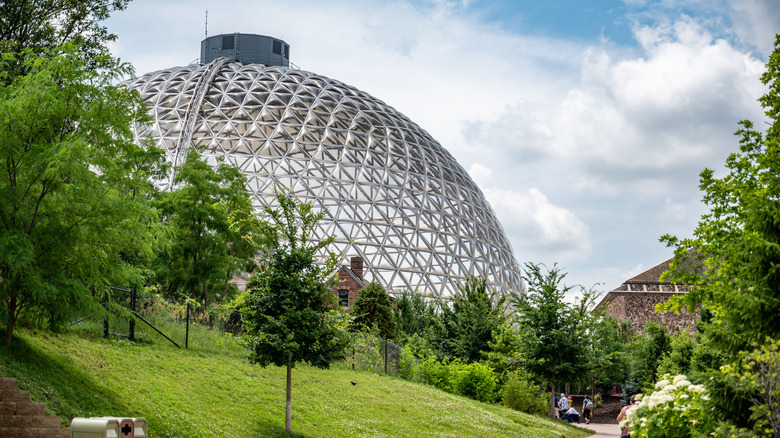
350	281
634	301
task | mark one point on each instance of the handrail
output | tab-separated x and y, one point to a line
193	109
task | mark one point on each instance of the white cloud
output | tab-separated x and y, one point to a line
480	174
543	230
636	125
634	271
672	212
756	22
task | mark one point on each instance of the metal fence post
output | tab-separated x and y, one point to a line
187	332
132	320
105	321
385	356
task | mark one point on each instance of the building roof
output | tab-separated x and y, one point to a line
352	274
652	275
646	283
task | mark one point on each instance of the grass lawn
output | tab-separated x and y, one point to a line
212	391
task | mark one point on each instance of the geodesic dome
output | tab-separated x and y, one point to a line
390	192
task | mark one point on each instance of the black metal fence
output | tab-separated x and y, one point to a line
126	306
373	354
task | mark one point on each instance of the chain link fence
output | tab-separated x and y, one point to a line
369	353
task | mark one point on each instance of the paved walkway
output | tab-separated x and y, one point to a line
602	430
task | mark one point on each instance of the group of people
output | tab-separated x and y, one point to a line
567	412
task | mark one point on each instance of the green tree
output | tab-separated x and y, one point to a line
659	346
607	359
467	322
213	232
74	215
604	352
757	376
41	25
732	261
549	328
680	356
373	309
506	352
289	311
414	315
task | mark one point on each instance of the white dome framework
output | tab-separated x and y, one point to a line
391	193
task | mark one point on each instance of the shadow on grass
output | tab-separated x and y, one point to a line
66	389
268	430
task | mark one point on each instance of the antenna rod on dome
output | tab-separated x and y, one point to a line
207	23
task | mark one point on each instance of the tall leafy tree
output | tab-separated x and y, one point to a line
467	322
41	25
607	356
73	210
289	311
213	230
606	361
732	261
414	314
554	348
373	309
652	354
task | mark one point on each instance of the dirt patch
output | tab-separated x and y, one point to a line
606	412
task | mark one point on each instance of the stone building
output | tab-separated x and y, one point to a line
635	300
350	281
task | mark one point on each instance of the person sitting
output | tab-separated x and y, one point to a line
572	415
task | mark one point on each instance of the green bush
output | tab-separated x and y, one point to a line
473	381
408	365
521	394
597	400
435	373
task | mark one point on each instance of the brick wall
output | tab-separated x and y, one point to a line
350	279
639	308
19	418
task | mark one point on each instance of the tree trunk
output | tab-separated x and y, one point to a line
288	407
9	328
225	287
553	409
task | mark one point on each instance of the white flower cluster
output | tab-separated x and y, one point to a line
668	395
671	391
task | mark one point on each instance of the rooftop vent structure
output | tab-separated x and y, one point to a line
246	48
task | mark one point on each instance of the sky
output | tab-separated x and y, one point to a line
585	123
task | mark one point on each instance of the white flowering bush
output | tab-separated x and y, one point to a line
675	409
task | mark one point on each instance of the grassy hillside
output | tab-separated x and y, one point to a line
213	392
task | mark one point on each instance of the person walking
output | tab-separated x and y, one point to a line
623	414
587	409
